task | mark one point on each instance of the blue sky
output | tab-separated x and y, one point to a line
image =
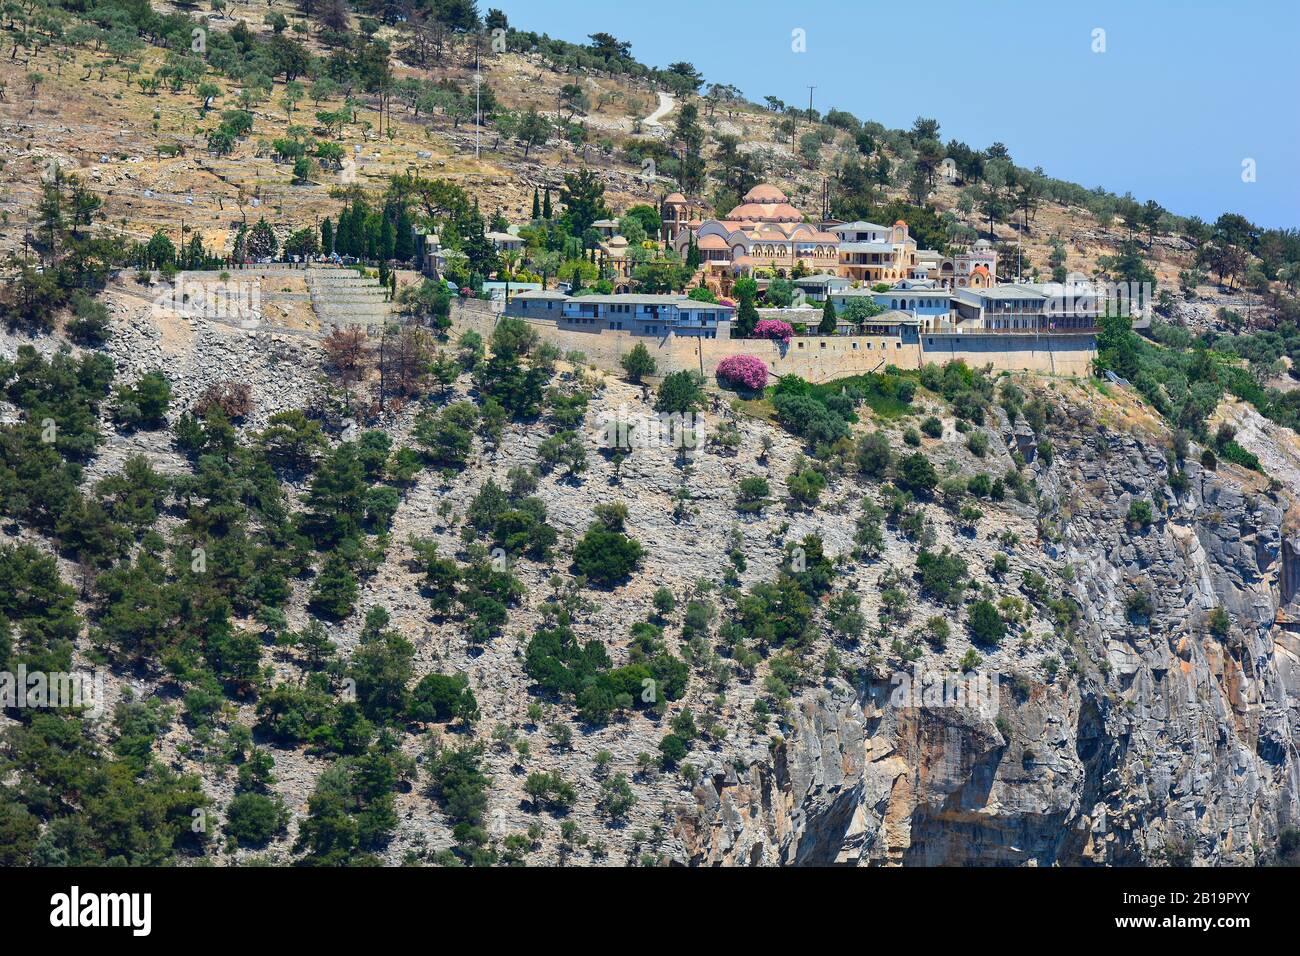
1184	92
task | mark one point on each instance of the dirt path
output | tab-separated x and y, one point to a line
665	107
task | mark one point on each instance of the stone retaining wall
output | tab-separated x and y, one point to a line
816	358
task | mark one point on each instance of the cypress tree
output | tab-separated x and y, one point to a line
827	326
537	205
405	247
327	236
346	240
372	232
196	256
341	233
546	205
746	317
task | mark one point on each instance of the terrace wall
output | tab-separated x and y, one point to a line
815	358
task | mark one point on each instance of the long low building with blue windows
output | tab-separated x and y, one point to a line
651	315
922	299
1011	307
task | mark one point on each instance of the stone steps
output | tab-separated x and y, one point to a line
341	297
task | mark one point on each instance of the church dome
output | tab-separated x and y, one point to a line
766	212
764	193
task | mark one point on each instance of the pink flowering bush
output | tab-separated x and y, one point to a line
774	329
747	371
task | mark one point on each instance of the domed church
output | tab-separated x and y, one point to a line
764	232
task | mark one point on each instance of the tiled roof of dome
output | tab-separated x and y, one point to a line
766	211
765	192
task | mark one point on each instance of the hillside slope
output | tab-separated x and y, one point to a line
144	148
1115	737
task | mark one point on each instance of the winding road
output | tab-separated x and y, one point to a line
665	107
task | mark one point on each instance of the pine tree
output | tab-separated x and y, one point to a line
261	241
335	589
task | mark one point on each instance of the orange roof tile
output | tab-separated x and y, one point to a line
765	192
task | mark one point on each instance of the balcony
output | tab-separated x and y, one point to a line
946	328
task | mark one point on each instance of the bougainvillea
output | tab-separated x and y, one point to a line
744	370
774	329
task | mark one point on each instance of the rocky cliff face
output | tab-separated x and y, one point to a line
1141	709
1163	739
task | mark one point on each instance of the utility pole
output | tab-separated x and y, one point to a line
810	98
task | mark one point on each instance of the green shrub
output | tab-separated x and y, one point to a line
1220	623
1139	513
442	697
916	474
672	750
943	574
254	819
1138	607
752	495
873	454
679	392
985	624
1231	451
144	404
606	557
638	363
805	483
